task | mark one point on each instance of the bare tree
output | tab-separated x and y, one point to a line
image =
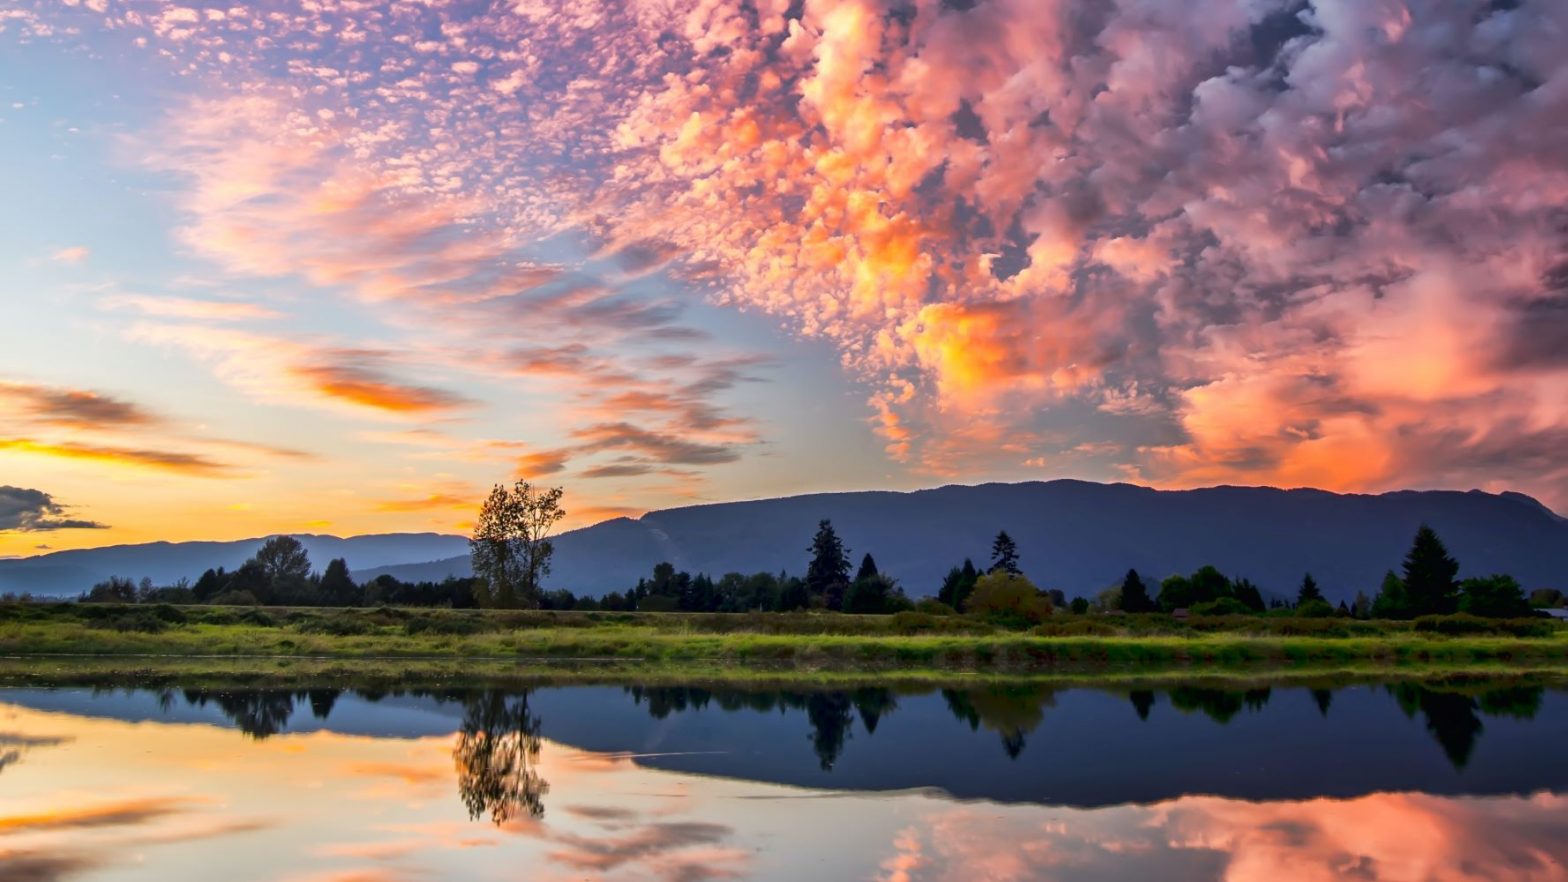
511	546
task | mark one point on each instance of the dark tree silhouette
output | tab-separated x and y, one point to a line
831	715
1429	575
1135	594
1496	596
337	587
322	701
1249	595
1010	711
1308	590
827	576
1004	555
868	568
1323	698
873	704
1142	702
511	547
283	560
260	714
1219	705
496	754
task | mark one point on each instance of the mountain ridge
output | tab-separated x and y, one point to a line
1079	536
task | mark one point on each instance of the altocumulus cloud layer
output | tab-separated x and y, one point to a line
1184	241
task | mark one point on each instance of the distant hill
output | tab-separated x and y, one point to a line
1074	535
72	572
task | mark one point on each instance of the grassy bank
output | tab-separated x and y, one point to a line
695	643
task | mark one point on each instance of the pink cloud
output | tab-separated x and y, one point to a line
1319	242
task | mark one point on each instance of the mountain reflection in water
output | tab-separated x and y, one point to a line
1006	782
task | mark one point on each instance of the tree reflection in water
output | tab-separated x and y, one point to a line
497	755
259	713
1454	717
1010	711
498	745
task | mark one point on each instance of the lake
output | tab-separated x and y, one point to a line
1457	781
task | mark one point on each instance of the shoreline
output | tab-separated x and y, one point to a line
744	646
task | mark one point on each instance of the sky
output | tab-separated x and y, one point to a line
342	265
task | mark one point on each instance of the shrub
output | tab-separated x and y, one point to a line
169	613
1008	599
932	607
1461	624
443	625
1224	606
143	620
1076	628
338	625
1495	596
1315	609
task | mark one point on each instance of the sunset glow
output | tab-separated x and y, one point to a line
339	266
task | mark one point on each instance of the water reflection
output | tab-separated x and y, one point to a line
1445	782
500	735
497	755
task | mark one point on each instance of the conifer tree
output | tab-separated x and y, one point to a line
1004	555
1308	590
1135	594
828	573
1430	572
337	587
868	568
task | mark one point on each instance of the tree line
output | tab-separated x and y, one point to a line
512	547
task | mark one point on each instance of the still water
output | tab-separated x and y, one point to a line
1401	782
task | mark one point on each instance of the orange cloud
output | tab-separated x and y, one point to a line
364	386
1015	213
135	811
73	408
183	463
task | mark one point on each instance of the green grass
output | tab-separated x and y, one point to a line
764	642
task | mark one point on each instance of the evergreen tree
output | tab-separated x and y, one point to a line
210	585
828	574
1362	608
868	568
1135	594
1249	595
948	593
337	587
871	594
1004	555
1429	575
969	576
1308	590
1392	602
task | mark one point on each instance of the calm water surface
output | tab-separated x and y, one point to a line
683	784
